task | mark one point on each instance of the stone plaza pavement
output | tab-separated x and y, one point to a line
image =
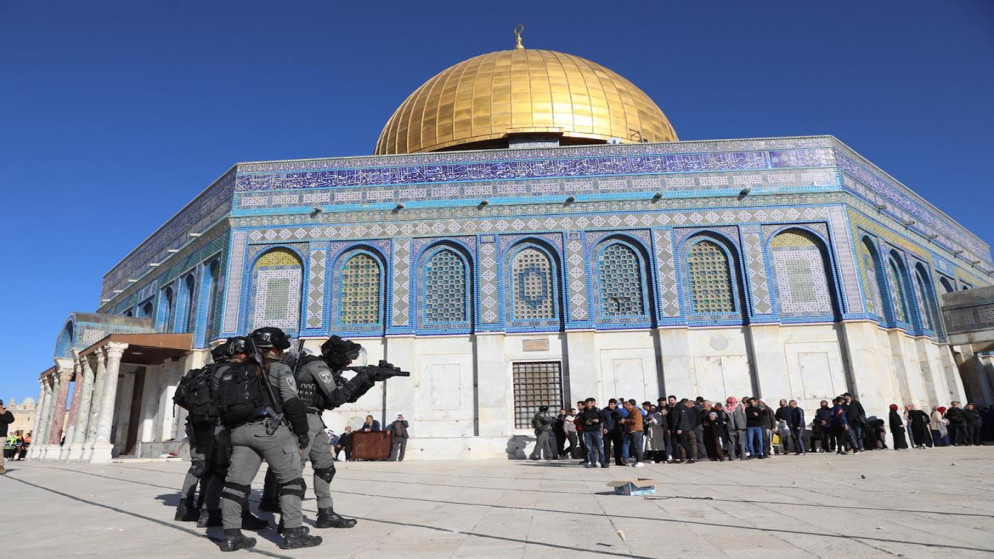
918	503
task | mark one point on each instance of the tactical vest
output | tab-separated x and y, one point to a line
308	391
241	397
195	394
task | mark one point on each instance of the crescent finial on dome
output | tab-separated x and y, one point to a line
518	30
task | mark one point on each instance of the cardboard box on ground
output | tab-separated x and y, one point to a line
634	487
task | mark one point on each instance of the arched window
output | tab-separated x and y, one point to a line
620	281
445	291
212	289
190	294
277	280
871	277
927	306
167	310
361	299
534	287
711	290
145	309
898	295
129	313
801	274
947	286
64	344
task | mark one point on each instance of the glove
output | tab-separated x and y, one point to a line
303	441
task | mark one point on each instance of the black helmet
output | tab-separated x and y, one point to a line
270	336
240	344
220	353
338	353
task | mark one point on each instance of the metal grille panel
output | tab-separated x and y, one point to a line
536	384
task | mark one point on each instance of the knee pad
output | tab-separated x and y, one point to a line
294	487
198	468
236	492
326	474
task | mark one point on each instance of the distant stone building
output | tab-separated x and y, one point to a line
24	414
572	247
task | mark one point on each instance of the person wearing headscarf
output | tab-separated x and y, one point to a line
735	434
897	429
919	422
937	425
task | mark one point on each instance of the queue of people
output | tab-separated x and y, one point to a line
681	430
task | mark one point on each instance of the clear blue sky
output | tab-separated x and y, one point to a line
115	114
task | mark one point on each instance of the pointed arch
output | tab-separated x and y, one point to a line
947	285
445	295
189	318
873	275
360	289
66	339
802	275
276	289
167	310
533	285
897	281
622	280
927	304
712	277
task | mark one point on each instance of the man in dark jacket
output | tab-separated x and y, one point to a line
400	436
856	416
672	415
769	421
795	421
957	424
613	434
973	424
841	427
686	423
592	420
823	425
783	414
6	418
754	428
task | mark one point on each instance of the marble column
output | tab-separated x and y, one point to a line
85	378
41	415
100	378
62	379
103	447
77	394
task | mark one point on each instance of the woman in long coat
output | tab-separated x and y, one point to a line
897	429
656	440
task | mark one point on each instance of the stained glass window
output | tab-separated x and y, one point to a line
801	281
277	282
898	297
534	291
620	274
445	287
360	295
710	279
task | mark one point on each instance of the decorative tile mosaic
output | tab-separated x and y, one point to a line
315	287
924	313
277	283
801	281
871	278
710	279
576	264
752	241
489	277
401	282
667	283
533	286
233	289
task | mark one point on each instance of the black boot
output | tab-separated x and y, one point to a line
328	518
234	540
269	505
253	522
296	538
209	519
184	512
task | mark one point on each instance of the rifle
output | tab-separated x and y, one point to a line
381	371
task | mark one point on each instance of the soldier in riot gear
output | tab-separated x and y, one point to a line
200	435
258	417
235	351
321	386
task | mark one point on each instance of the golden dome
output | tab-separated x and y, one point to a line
523	91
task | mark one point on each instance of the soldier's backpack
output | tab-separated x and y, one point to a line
194	392
240	394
